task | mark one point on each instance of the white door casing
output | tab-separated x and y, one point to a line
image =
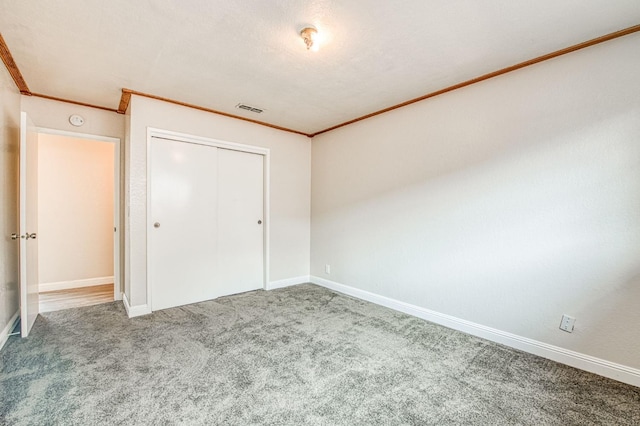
29	300
204	208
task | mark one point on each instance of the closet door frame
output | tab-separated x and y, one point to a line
184	137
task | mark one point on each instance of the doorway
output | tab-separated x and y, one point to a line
78	220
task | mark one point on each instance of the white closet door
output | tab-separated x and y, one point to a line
183	223
240	221
205	229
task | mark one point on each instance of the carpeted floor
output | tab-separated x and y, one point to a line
296	356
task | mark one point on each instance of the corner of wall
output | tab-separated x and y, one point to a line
9	159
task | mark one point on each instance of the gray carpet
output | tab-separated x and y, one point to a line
296	356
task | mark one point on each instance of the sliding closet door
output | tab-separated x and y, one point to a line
206	231
183	221
240	221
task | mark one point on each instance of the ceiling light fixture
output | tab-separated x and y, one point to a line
310	37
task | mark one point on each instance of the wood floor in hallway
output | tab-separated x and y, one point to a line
75	298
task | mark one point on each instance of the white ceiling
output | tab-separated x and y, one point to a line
216	53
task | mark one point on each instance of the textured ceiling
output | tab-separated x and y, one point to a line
216	53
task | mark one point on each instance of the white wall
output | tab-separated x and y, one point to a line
75	210
9	148
55	115
507	203
289	179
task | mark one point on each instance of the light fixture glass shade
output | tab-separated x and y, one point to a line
309	35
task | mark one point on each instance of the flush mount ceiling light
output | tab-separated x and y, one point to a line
310	37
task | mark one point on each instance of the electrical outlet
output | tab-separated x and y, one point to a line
327	269
567	323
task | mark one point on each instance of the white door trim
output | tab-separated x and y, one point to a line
184	137
117	282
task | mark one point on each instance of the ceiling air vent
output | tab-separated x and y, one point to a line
249	108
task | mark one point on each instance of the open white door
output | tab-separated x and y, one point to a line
29	300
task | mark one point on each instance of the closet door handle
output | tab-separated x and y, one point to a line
259	222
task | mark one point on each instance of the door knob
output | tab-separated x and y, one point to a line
31	236
259	222
14	236
156	225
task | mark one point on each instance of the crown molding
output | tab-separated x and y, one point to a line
484	77
15	73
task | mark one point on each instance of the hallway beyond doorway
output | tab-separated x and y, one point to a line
76	297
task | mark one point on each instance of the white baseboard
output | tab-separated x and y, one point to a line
4	334
134	311
288	282
65	285
588	363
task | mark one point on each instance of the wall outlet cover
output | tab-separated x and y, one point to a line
567	323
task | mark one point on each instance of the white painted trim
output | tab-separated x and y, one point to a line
585	362
288	282
117	282
134	311
266	181
77	135
4	334
184	137
65	285
117	235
